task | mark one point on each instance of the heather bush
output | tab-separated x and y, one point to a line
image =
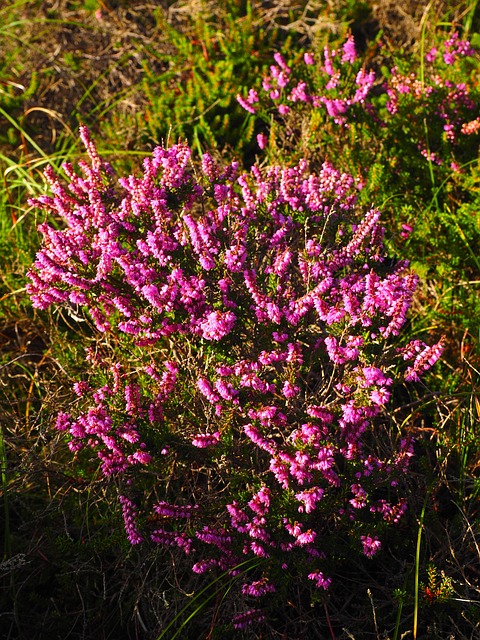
243	406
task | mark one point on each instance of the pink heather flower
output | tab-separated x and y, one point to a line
320	581
449	57
328	65
321	413
299	93
431	156
294	529
364	82
267	444
425	360
142	457
309	58
380	396
370	545
360	499
374	375
225	389
260	502
349	52
63	421
406	231
256	529
206	390
129	433
262	141
306	538
81	388
204	440
174	511
455	47
258	550
258	588
251	616
238	517
204	565
282	79
283	109
219	538
431	55
412	348
217	325
129	518
245	104
333	82
309	498
290	390
391	513
281	62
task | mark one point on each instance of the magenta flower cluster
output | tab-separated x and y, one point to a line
256	323
284	89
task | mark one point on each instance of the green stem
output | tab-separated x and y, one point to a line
417	568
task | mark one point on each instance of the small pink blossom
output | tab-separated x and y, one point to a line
217	325
370	545
349	51
262	140
320	581
290	390
243	620
204	440
406	230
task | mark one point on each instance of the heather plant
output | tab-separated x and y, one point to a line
242	409
409	131
305	102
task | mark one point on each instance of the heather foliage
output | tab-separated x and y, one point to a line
260	321
198	90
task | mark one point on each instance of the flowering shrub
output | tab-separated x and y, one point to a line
244	412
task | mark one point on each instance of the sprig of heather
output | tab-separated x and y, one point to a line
271	296
337	84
